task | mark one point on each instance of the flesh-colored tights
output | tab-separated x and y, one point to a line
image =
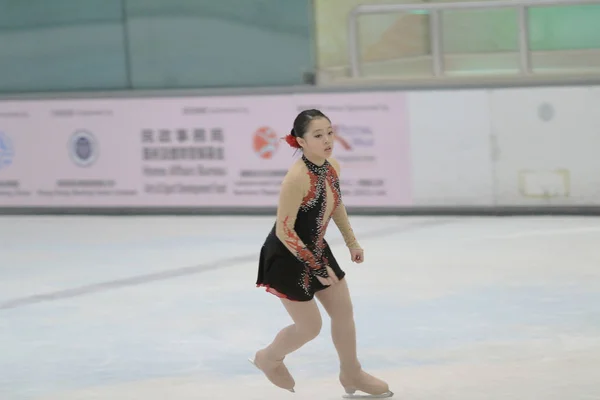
307	325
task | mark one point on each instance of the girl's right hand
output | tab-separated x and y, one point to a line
332	279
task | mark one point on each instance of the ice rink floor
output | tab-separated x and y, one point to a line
165	308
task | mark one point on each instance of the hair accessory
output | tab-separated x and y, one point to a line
291	140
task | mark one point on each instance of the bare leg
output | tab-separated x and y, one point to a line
307	325
336	301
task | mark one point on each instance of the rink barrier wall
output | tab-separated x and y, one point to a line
470	151
415	211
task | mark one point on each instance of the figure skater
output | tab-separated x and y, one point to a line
296	263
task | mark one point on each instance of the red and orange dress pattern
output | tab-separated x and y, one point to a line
295	251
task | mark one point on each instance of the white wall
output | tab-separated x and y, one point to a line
526	146
450	148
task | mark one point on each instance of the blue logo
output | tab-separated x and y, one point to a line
83	148
7	151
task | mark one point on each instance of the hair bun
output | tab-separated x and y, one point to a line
292	132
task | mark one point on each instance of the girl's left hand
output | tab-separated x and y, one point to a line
357	255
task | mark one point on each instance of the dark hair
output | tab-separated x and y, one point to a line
304	119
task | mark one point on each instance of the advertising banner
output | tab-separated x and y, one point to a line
76	153
193	152
212	151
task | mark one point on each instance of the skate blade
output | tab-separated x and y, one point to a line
368	396
254	363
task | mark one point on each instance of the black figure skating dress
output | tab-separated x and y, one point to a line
295	251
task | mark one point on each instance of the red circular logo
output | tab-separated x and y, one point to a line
265	142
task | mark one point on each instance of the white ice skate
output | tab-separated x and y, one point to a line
351	394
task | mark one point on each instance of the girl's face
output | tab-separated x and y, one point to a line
318	140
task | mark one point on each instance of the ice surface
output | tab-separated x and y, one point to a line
166	308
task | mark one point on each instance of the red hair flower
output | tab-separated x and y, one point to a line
291	140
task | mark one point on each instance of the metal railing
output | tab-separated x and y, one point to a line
435	12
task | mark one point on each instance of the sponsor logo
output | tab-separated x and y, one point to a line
83	148
265	142
352	137
7	151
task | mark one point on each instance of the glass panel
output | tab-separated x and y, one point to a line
61	45
477	42
208	43
480	42
565	38
395	44
390	44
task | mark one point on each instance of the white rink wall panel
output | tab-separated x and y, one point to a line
547	141
450	148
